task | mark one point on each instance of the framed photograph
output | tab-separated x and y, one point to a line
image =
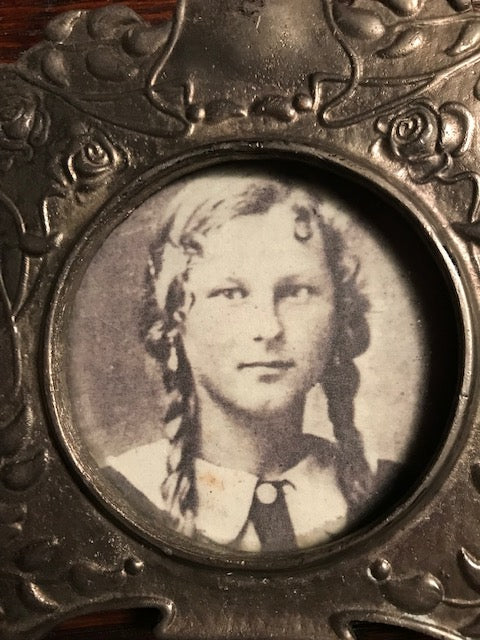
239	320
195	421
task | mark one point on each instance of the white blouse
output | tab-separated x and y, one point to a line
316	506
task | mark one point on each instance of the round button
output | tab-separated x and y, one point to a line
266	493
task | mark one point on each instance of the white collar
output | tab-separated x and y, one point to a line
316	506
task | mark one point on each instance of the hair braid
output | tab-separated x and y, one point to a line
342	380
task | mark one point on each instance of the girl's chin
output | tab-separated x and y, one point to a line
259	400
265	408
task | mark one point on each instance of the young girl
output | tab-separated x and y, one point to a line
252	308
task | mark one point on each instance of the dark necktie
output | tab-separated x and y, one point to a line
269	515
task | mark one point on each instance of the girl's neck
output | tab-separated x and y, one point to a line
265	446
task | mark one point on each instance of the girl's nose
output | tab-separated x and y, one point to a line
266	323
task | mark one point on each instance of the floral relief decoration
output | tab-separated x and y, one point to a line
422	593
86	161
426	139
24	125
376	36
400	38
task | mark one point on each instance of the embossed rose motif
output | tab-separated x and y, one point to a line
24	125
90	159
427	138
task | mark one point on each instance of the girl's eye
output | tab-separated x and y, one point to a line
300	293
297	293
230	293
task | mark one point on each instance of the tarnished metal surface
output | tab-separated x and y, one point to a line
95	118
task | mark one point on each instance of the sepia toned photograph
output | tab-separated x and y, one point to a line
248	360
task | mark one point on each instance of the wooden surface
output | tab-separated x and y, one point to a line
21	25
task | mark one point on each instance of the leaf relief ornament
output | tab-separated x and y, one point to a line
376	34
420	593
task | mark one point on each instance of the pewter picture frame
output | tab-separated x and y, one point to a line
239	320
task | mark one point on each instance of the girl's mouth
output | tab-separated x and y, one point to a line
267	364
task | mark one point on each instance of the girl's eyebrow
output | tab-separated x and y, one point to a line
230	279
299	278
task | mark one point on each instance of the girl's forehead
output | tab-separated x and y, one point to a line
278	222
249	242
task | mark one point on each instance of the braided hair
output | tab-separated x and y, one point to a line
189	217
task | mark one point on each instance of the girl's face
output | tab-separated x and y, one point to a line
259	331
